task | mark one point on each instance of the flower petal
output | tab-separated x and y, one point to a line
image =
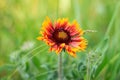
70	51
61	23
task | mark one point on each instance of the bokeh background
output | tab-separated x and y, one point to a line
22	57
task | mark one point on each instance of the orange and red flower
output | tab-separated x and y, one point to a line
62	35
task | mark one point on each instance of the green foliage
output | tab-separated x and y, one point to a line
22	57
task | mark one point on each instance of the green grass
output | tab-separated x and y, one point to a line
20	22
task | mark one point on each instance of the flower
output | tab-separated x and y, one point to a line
61	35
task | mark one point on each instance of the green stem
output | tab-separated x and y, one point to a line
60	70
88	66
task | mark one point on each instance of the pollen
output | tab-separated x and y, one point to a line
62	35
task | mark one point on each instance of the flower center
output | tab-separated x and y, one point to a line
61	36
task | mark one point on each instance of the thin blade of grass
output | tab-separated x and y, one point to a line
113	18
9	77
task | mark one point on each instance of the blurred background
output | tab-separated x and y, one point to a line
22	57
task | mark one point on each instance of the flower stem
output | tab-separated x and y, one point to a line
60	70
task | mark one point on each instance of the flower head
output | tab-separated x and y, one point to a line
63	35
